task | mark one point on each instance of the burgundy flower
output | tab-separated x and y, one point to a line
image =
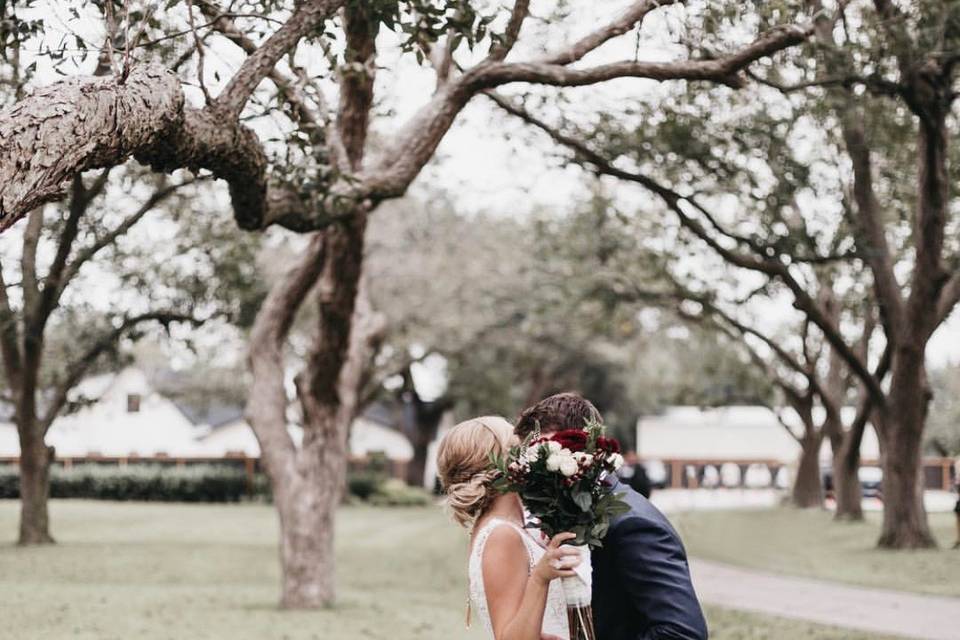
572	439
610	445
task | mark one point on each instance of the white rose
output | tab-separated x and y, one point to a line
568	466
587	459
553	462
553	446
615	460
566	453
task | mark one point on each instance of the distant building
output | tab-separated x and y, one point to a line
128	418
730	446
732	433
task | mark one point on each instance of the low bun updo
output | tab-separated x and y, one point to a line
463	463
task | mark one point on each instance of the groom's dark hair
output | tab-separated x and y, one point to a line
561	411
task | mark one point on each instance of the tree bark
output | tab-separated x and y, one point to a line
306	507
904	516
846	479
421	430
307	480
807	490
327	393
35	460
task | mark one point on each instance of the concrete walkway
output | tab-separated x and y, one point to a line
875	610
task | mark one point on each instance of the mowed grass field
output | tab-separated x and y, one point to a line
809	543
174	571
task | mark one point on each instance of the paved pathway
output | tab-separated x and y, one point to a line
891	612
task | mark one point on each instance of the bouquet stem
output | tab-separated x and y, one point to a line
580	623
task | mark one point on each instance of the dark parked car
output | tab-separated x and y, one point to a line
871	482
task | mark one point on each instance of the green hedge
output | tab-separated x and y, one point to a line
396	493
364	484
380	490
195	483
160	483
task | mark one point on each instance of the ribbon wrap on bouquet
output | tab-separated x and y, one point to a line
578	592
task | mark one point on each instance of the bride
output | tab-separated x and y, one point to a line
513	577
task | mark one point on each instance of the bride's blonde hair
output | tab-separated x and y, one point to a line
463	463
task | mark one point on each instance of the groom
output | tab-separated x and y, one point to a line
641	581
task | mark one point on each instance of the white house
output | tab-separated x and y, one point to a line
366	437
128	418
731	433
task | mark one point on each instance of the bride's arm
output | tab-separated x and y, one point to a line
517	599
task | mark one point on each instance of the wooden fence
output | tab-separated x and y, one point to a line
688	473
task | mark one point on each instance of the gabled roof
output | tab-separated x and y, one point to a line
212	414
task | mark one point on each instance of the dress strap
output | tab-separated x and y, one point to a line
488	528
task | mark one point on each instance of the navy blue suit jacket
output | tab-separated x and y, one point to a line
641	580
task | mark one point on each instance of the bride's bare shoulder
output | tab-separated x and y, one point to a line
504	550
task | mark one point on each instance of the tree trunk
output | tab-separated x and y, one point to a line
807	487
35	459
307	480
846	487
846	479
416	469
847	490
421	421
306	510
904	516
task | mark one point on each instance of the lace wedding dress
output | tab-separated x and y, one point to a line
555	616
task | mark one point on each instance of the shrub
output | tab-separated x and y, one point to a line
364	484
396	493
147	482
9	482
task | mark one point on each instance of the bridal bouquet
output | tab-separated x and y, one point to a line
560	479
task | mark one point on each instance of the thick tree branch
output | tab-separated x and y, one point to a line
78	124
629	19
521	8
314	124
722	70
28	263
266	405
872	240
9	336
80	199
306	18
876	84
356	82
949	298
368	329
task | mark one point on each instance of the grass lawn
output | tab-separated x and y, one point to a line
173	571
810	544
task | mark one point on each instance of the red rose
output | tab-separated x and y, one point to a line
610	445
572	439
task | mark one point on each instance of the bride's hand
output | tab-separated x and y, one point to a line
558	561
